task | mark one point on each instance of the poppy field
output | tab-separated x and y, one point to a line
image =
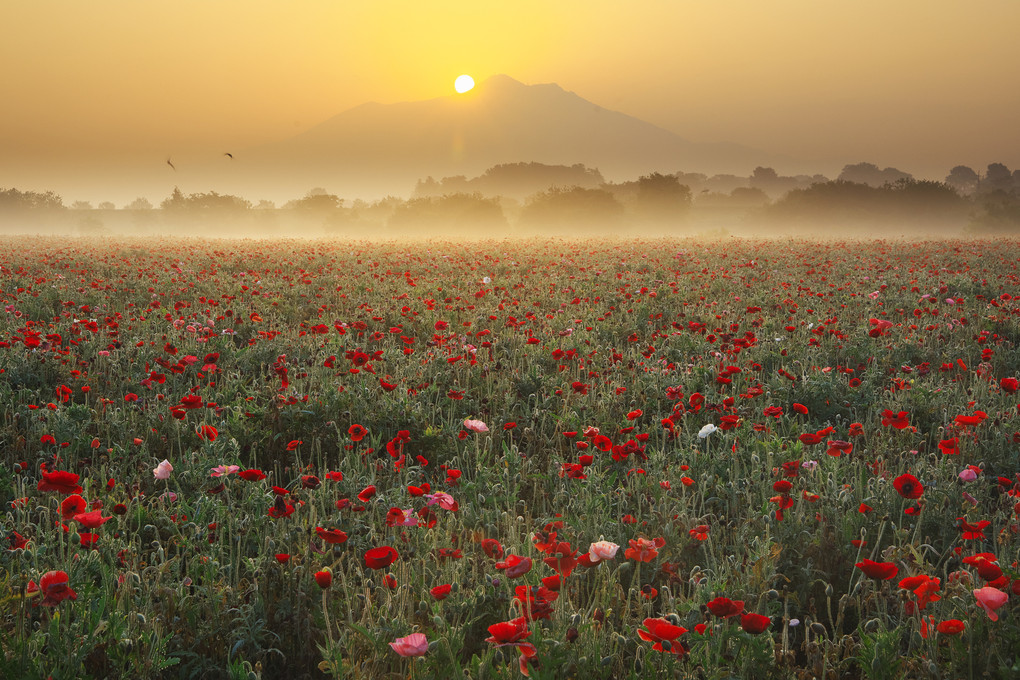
625	458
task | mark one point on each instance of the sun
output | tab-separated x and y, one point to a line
463	84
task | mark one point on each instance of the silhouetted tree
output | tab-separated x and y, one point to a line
661	197
140	203
963	179
468	213
14	200
868	173
585	209
997	178
316	201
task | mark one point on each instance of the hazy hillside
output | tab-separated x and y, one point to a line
382	148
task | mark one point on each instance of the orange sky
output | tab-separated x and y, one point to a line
920	85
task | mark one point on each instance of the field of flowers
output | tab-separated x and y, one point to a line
610	459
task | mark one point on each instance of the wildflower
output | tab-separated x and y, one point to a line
71	506
357	432
381	557
207	432
644	549
705	431
60	481
224	470
724	607
396	517
252	475
755	623
950	627
878	570
700	532
492	548
163	470
838	447
324	578
443	499
512	634
415	644
476	426
908	486
662	631
331	536
515	565
55	588
897	420
990	599
602	550
441	592
969	473
91	520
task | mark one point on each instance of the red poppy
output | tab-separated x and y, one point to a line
1009	385
357	432
700	532
55	588
856	430
838	447
950	447
724	607
492	548
755	623
908	486
324	578
950	627
515	565
662	631
252	475
207	432
60	481
365	494
897	420
381	557
800	408
282	558
643	549
91	520
512	633
71	506
293	444
441	592
332	536
878	570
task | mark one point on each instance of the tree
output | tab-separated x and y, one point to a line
963	179
661	197
107	205
868	173
316	200
588	209
997	178
81	205
140	203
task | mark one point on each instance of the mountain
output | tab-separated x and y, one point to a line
375	149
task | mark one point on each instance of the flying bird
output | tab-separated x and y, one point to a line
172	166
229	155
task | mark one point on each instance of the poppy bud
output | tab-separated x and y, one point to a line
324	578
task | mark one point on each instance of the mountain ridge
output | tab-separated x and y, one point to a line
371	146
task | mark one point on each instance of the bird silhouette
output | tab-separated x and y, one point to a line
172	166
229	155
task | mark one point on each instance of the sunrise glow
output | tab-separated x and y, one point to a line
463	84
